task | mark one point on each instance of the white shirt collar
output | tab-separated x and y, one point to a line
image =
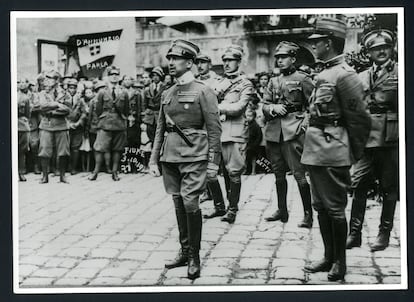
186	78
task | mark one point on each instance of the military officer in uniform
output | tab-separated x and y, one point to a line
234	93
380	157
23	111
55	105
285	105
112	109
77	119
338	131
187	143
152	100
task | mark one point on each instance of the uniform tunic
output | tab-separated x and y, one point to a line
338	131
152	103
55	106
192	106
381	153
284	134
34	122
23	110
78	114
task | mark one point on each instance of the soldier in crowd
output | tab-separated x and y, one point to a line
134	116
23	113
189	152
338	131
152	100
285	105
77	119
263	83
127	82
146	79
55	105
168	81
380	157
234	93
86	147
34	127
112	109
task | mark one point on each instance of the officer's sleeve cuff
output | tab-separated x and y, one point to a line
214	157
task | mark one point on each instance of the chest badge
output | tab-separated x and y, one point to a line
186	106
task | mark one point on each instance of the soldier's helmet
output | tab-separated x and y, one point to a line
378	37
286	48
329	27
233	52
202	57
158	71
113	70
183	49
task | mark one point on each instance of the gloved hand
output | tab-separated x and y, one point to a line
154	171
278	109
212	170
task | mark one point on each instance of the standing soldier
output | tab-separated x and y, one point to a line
23	110
381	154
285	103
55	106
34	129
152	100
77	119
336	137
112	110
234	92
134	117
189	152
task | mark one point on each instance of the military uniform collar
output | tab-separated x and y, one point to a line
186	78
206	76
334	61
289	71
232	75
389	66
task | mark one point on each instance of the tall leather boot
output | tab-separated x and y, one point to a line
44	161
387	222
219	208
305	194
22	166
338	270
226	181
194	225
281	192
234	197
62	169
182	257
324	265
359	204
74	161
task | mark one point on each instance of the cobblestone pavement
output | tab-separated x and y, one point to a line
120	234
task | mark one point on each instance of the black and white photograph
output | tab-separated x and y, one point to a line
208	150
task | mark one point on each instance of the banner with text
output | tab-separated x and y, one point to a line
96	51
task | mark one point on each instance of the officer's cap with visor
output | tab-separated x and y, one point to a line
233	52
183	49
202	57
72	82
99	84
286	48
329	27
158	71
113	70
378	37
52	74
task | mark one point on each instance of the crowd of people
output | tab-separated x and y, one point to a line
312	122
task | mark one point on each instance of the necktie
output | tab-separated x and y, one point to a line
376	73
113	93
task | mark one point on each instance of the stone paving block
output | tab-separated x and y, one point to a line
115	272
291	253
142	246
258	281
223	245
392	280
359	261
219	262
224	253
263	243
285	282
251	263
75	252
37	282
207	280
361	270
25	252
216	271
360	279
49	251
256	253
390	270
287	262
33	259
27	269
158	260
68	282
383	262
177	272
82	272
104	253
134	255
113	245
178	281
289	273
122	238
147	274
105	281
93	263
141	282
150	238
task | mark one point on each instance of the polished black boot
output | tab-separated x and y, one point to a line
62	169
281	213
194	225
307	221
234	197
387	222
359	204
45	170
74	162
325	264
338	269
182	257
219	208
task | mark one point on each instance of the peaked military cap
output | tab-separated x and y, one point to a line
286	48
52	74
378	37
184	49
99	84
72	82
113	70
158	70
329	27
203	57
233	52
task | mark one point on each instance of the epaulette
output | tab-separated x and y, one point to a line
346	67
